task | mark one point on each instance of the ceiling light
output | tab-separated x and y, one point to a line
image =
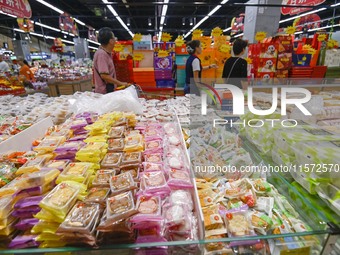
191	22
46	26
160	36
224	1
149	22
94	42
80	22
227	29
10	15
50	6
301	15
325	27
66	41
183	21
128	22
65	36
93	48
333	5
165	21
238	35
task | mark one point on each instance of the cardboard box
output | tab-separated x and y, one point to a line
284	61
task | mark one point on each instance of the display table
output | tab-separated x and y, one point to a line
59	87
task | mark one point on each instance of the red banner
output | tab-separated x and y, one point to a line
26	24
67	23
294	11
19	8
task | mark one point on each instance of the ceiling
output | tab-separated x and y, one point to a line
96	14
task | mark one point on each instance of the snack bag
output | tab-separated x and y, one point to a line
179	179
7	173
96	139
181	197
154	158
134	170
212	218
149	209
78	172
56	164
154	182
150	167
45	226
120	206
49	144
207	197
33	165
261	222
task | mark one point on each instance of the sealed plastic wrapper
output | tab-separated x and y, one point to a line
26	212
153	146
6	221
92	152
97	195
154	182
60	199
149	208
56	164
96	139
78	124
174	140
212	218
181	197
28	201
77	172
131	158
26	224
78	138
265	204
154	158
81	218
120	122
331	195
9	229
6	204
261	222
170	128
207	197
102	178
49	144
133	143
116	144
133	170
47	216
173	151
175	162
24	241
33	165
45	226
150	167
121	206
238	223
261	186
111	160
69	147
175	215
179	179
122	183
116	132
7	173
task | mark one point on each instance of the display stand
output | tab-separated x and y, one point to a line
23	140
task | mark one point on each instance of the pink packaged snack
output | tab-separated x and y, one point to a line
150	235
179	179
153	158
181	197
150	167
174	151
154	182
169	128
153	132
25	224
175	162
149	208
174	140
24	241
154	146
175	215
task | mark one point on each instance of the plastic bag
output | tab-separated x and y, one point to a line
123	100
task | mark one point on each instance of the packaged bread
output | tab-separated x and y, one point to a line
102	177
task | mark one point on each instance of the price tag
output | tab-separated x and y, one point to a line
260	36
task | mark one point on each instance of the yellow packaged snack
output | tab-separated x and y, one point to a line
134	143
52	244
60	200
92	152
33	164
44	215
207	197
98	128
212	219
47	237
49	144
96	139
78	172
46	227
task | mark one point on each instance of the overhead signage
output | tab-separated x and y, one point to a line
19	8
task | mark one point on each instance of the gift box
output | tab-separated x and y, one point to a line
302	59
266	65
268	48
284	61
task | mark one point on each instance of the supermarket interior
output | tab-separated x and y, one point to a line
170	127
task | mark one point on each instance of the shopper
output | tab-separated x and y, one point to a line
62	63
235	68
4	67
25	70
193	67
103	68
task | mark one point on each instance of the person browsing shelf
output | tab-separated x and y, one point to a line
235	68
25	70
103	67
193	67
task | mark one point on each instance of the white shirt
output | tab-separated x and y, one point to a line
4	67
196	65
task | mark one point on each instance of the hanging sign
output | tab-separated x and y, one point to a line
308	48
92	34
179	41
290	30
237	24
166	37
225	48
296	10
138	56
307	22
163	54
58	42
118	47
67	24
25	24
259	36
197	33
19	8
217	31
322	37
137	37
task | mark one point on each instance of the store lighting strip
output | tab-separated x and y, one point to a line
302	15
93	48
238	35
163	15
206	17
320	28
227	29
94	42
334	5
117	17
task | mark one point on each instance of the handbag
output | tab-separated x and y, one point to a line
232	68
110	87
